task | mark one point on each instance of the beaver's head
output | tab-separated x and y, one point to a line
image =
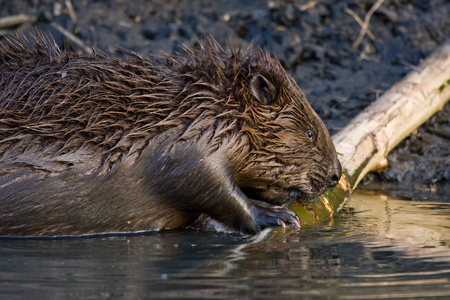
277	146
292	156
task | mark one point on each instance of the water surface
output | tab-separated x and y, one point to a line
377	247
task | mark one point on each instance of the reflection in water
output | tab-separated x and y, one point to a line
377	247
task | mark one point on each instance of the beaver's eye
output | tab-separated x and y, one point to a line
310	135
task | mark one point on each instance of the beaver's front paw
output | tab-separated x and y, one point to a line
274	216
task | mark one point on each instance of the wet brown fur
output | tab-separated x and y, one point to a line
91	143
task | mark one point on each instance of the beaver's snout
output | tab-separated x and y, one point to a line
335	174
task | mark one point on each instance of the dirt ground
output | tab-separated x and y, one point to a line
314	43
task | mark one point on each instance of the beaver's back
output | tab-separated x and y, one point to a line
54	102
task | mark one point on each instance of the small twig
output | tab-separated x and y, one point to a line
365	25
72	14
310	4
360	22
72	38
412	67
11	21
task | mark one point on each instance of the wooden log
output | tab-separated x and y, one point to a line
366	141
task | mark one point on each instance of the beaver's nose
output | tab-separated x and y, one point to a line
335	174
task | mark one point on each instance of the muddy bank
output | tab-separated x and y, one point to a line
314	43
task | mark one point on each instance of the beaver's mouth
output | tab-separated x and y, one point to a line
282	196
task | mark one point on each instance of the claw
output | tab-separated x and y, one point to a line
281	223
296	222
274	216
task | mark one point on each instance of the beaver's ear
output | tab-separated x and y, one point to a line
264	91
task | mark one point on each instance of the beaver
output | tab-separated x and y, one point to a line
97	144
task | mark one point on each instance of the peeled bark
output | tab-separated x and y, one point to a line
366	141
